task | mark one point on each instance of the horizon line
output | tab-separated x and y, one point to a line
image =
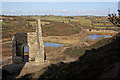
48	15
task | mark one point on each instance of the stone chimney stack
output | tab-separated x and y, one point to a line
40	57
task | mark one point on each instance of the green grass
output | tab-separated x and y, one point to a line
85	22
44	23
100	27
114	27
3	23
36	17
98	24
101	19
59	20
107	27
109	24
75	20
65	21
34	22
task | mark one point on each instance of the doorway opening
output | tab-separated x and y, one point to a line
25	57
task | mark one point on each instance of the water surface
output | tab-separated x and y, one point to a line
53	44
97	36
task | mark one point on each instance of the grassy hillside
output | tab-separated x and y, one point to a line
89	66
59	29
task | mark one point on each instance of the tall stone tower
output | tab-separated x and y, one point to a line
40	54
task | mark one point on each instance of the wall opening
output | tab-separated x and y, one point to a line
26	54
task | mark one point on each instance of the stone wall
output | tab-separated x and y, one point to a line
32	46
19	40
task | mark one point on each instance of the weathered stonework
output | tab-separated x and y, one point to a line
40	54
35	46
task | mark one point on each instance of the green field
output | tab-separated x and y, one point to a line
34	23
98	24
84	22
109	24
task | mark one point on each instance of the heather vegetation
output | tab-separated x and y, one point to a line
10	25
58	29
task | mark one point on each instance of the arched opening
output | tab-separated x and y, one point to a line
22	53
25	52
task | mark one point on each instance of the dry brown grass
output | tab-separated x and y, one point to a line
53	54
6	51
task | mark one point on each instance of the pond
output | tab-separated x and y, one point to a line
53	44
97	36
45	44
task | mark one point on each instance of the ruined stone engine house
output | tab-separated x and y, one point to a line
34	42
